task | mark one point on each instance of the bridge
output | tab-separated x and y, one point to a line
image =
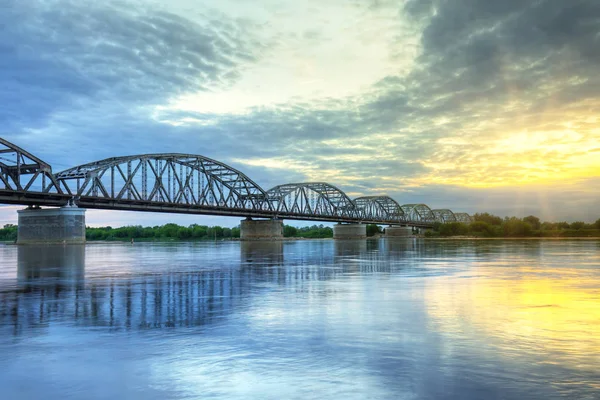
193	184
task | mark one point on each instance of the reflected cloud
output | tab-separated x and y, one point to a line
529	314
355	318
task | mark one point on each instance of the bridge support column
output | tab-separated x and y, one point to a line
350	231
398	231
64	225
263	229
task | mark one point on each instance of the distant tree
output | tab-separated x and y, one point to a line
373	229
218	231
314	232
184	233
289	231
8	233
481	228
487	217
533	221
578	225
563	225
549	226
436	226
597	224
211	233
199	231
453	229
168	230
514	227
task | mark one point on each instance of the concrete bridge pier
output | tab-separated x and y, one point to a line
261	229
350	231
65	225
398	231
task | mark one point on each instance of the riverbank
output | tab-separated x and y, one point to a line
511	238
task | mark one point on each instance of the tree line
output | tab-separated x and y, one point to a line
176	232
488	225
483	225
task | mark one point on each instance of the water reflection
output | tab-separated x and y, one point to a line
50	264
52	286
384	318
262	252
523	310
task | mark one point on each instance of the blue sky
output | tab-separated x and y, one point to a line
471	105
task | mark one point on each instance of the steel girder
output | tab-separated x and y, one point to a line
177	179
186	183
418	212
379	208
463	217
444	215
23	172
315	198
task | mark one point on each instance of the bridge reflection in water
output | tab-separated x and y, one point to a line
52	285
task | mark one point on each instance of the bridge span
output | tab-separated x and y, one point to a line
193	184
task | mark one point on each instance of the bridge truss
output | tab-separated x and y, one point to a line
24	177
193	184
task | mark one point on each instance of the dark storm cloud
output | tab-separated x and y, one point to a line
478	51
53	54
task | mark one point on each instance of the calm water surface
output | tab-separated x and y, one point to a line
380	319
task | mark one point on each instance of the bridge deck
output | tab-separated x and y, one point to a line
59	200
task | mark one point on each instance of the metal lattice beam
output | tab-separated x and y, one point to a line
176	179
379	208
21	171
444	216
463	217
187	183
316	198
418	212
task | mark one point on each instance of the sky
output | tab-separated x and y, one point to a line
472	105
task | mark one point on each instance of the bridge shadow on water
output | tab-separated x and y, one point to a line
52	286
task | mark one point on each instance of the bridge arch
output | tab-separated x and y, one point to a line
22	171
444	215
316	198
418	213
379	208
173	178
463	217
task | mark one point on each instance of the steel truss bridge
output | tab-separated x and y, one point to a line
193	184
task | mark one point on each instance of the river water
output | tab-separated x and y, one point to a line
322	319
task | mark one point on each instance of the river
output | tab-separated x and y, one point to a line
314	319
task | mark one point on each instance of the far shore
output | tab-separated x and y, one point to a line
512	238
290	239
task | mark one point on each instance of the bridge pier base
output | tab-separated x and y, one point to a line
398	231
350	231
64	225
262	229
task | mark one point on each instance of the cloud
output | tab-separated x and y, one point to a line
63	53
428	97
